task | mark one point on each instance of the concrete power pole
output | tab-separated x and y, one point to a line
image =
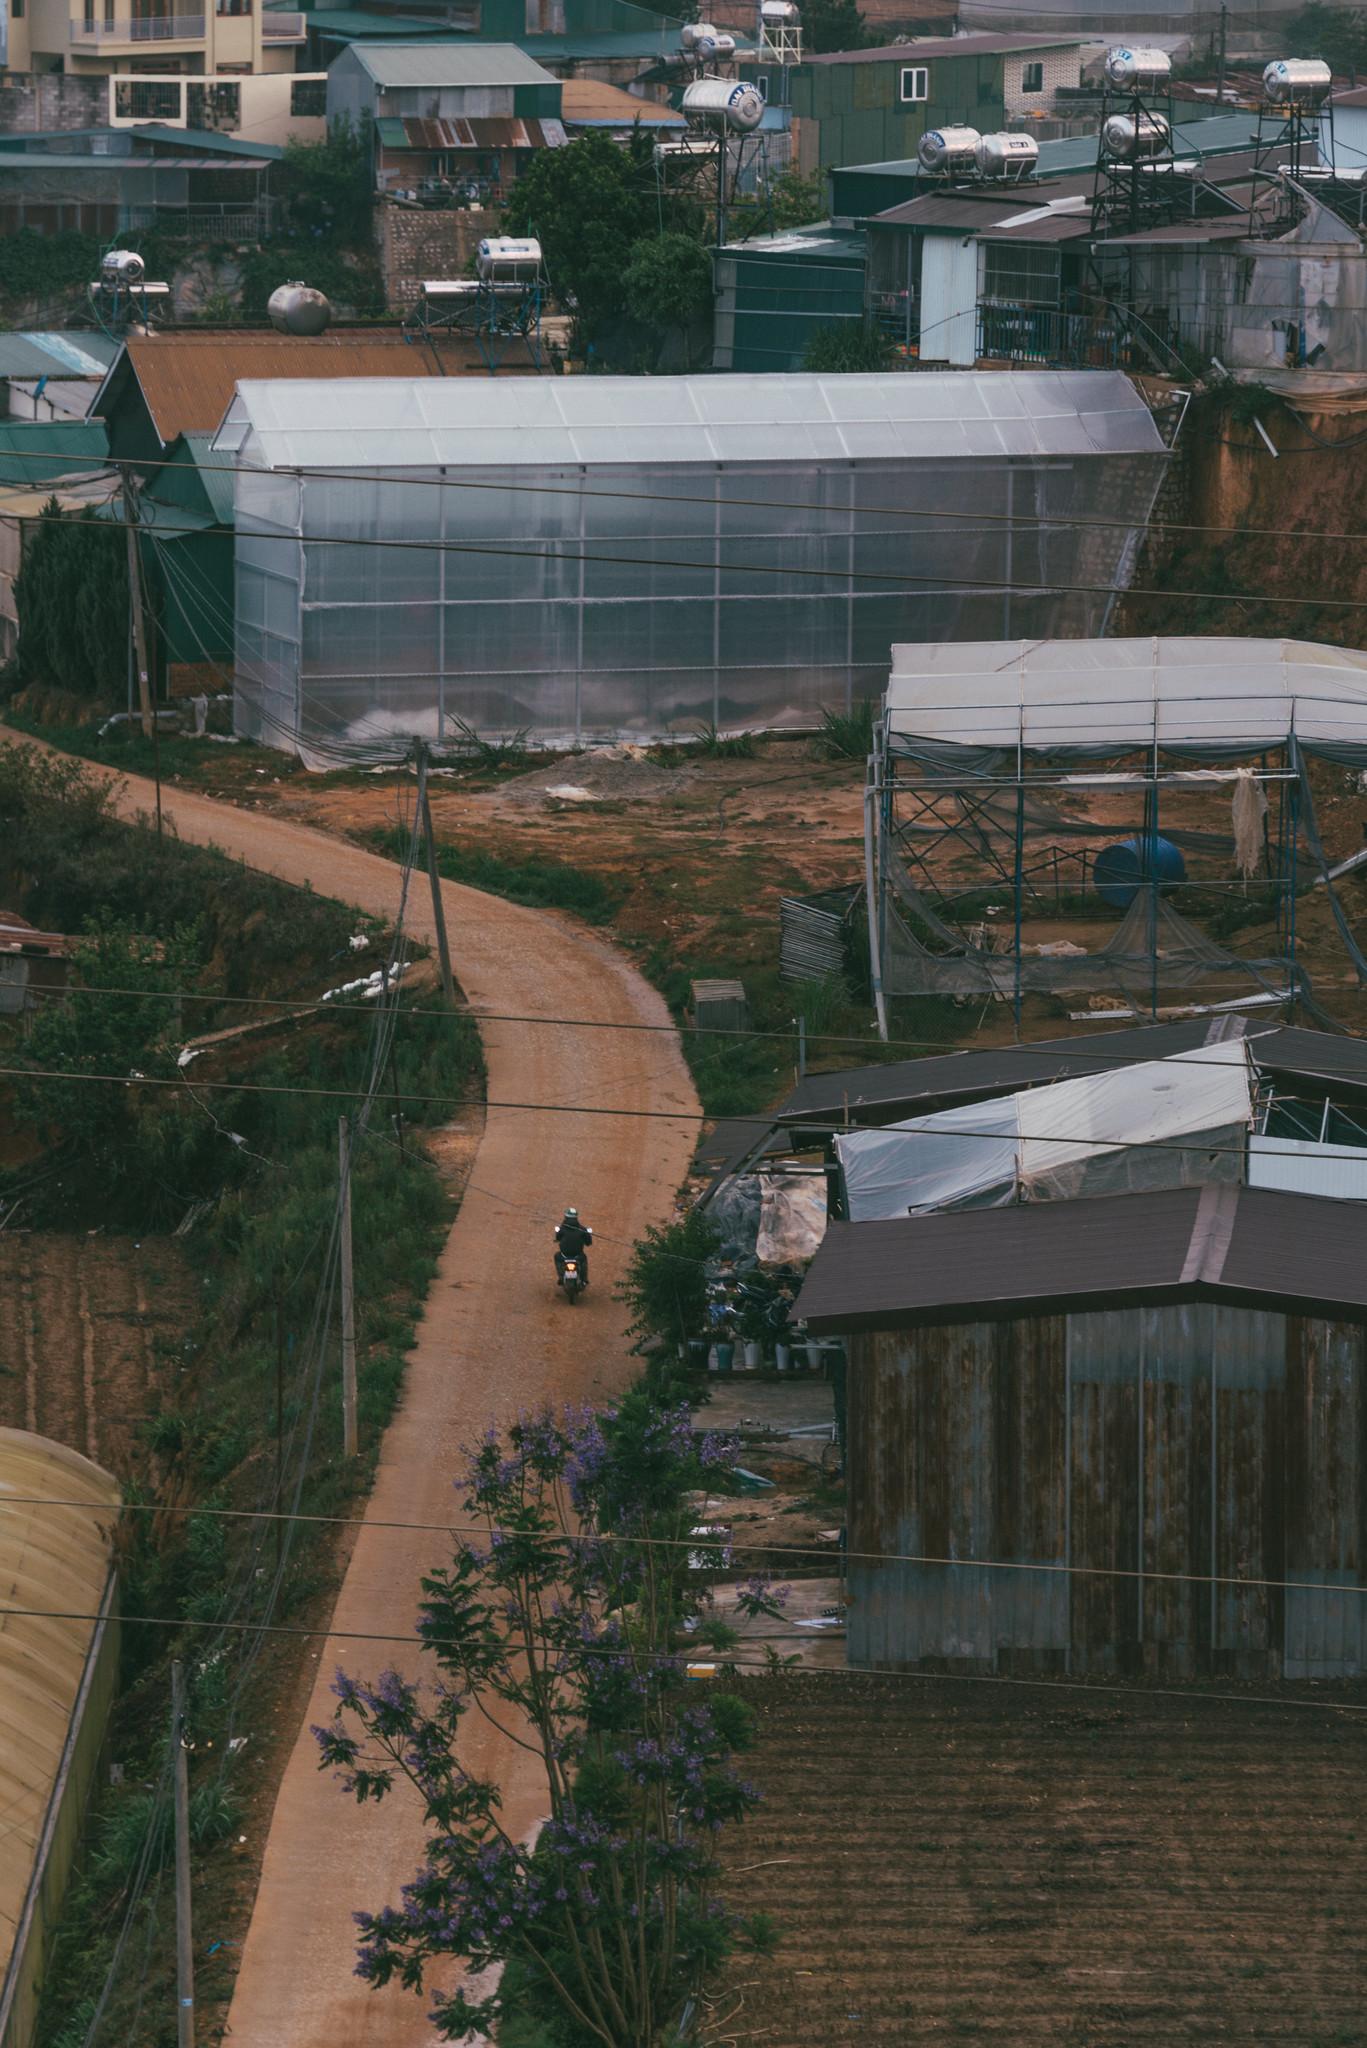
448	986
348	1294
185	1956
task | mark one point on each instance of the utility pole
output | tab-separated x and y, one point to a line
1224	51
438	909
348	1294
185	1958
145	704
279	1425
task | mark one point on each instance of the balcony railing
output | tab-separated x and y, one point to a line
139	28
1037	334
278	27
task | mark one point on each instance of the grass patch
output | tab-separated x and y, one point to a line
848	735
541	884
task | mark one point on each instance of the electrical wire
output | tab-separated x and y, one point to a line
728	1661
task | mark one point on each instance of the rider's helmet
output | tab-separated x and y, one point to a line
571	1215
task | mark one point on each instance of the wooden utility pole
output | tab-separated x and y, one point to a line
1224	51
348	1294
448	986
279	1425
185	1957
145	704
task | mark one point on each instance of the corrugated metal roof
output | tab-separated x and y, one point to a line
588	103
1249	1246
188	380
548	422
34	162
400	64
949	46
55	1561
38	451
493	131
355	23
1065	153
49	355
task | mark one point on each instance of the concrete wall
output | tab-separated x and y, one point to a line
415	244
33	101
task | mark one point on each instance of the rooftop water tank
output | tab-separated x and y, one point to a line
1129	136
695	32
509	259
948	149
122	269
296	308
723	103
1126	70
778	10
1121	871
1298	82
1006	156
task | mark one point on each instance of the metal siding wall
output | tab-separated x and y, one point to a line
1159	1451
949	301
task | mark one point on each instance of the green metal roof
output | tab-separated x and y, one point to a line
56	355
821	239
1195	135
356	24
59	448
196	480
401	64
205	139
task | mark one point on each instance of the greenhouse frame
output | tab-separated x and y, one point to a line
608	558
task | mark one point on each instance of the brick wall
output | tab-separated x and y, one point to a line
31	100
416	244
1061	67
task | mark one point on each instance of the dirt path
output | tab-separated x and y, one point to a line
495	1338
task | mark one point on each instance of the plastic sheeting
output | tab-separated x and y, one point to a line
624	557
1101	697
1030	1145
792	1218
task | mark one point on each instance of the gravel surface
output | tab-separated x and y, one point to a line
496	1337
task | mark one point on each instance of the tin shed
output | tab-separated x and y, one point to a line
1117	1436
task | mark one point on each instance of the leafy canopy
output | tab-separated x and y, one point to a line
71	596
845	346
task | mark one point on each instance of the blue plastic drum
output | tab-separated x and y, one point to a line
1121	871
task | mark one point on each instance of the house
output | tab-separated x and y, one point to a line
1105	1437
107	181
33	964
228	38
181	381
447	119
860	106
269	106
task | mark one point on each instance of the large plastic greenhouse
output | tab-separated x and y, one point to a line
627	557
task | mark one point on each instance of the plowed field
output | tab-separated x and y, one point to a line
88	1332
952	1862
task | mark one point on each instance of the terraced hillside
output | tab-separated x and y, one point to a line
953	1862
87	1325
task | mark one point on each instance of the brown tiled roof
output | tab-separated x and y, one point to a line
1253	1247
188	380
589	102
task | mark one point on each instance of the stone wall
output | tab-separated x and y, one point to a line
34	100
417	244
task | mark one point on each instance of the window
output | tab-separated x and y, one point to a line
222	7
915	83
139	99
309	96
1032	78
16	10
1021	274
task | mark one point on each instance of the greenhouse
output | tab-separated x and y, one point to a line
628	557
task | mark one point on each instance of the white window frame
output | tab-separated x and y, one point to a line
918	74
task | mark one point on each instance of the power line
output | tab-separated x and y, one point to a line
726	1661
701	1543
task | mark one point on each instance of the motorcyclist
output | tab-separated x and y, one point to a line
572	1240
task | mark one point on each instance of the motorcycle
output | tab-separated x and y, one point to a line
571	1279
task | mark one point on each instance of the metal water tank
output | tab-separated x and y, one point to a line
778	11
947	149
1121	871
1126	70
1006	156
509	259
296	308
694	32
1129	136
723	103
122	269
1298	82
708	43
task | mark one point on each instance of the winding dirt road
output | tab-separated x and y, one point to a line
495	1337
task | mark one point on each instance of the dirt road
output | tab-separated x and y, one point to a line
495	1338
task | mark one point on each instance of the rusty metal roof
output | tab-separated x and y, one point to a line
589	103
947	46
188	380
1250	1247
493	131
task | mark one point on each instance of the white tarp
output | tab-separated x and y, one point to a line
990	1152
1107	695
792	1217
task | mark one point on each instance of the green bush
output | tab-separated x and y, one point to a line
843	347
848	735
665	1285
71	598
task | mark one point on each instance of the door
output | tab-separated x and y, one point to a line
949	300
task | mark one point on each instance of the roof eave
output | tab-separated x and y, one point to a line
1078	1302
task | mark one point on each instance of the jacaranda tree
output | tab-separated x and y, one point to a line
563	1620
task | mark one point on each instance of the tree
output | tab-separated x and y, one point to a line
792	201
589	204
71	597
137	1141
667	285
327	186
842	346
665	1284
1337	34
832	25
561	1620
